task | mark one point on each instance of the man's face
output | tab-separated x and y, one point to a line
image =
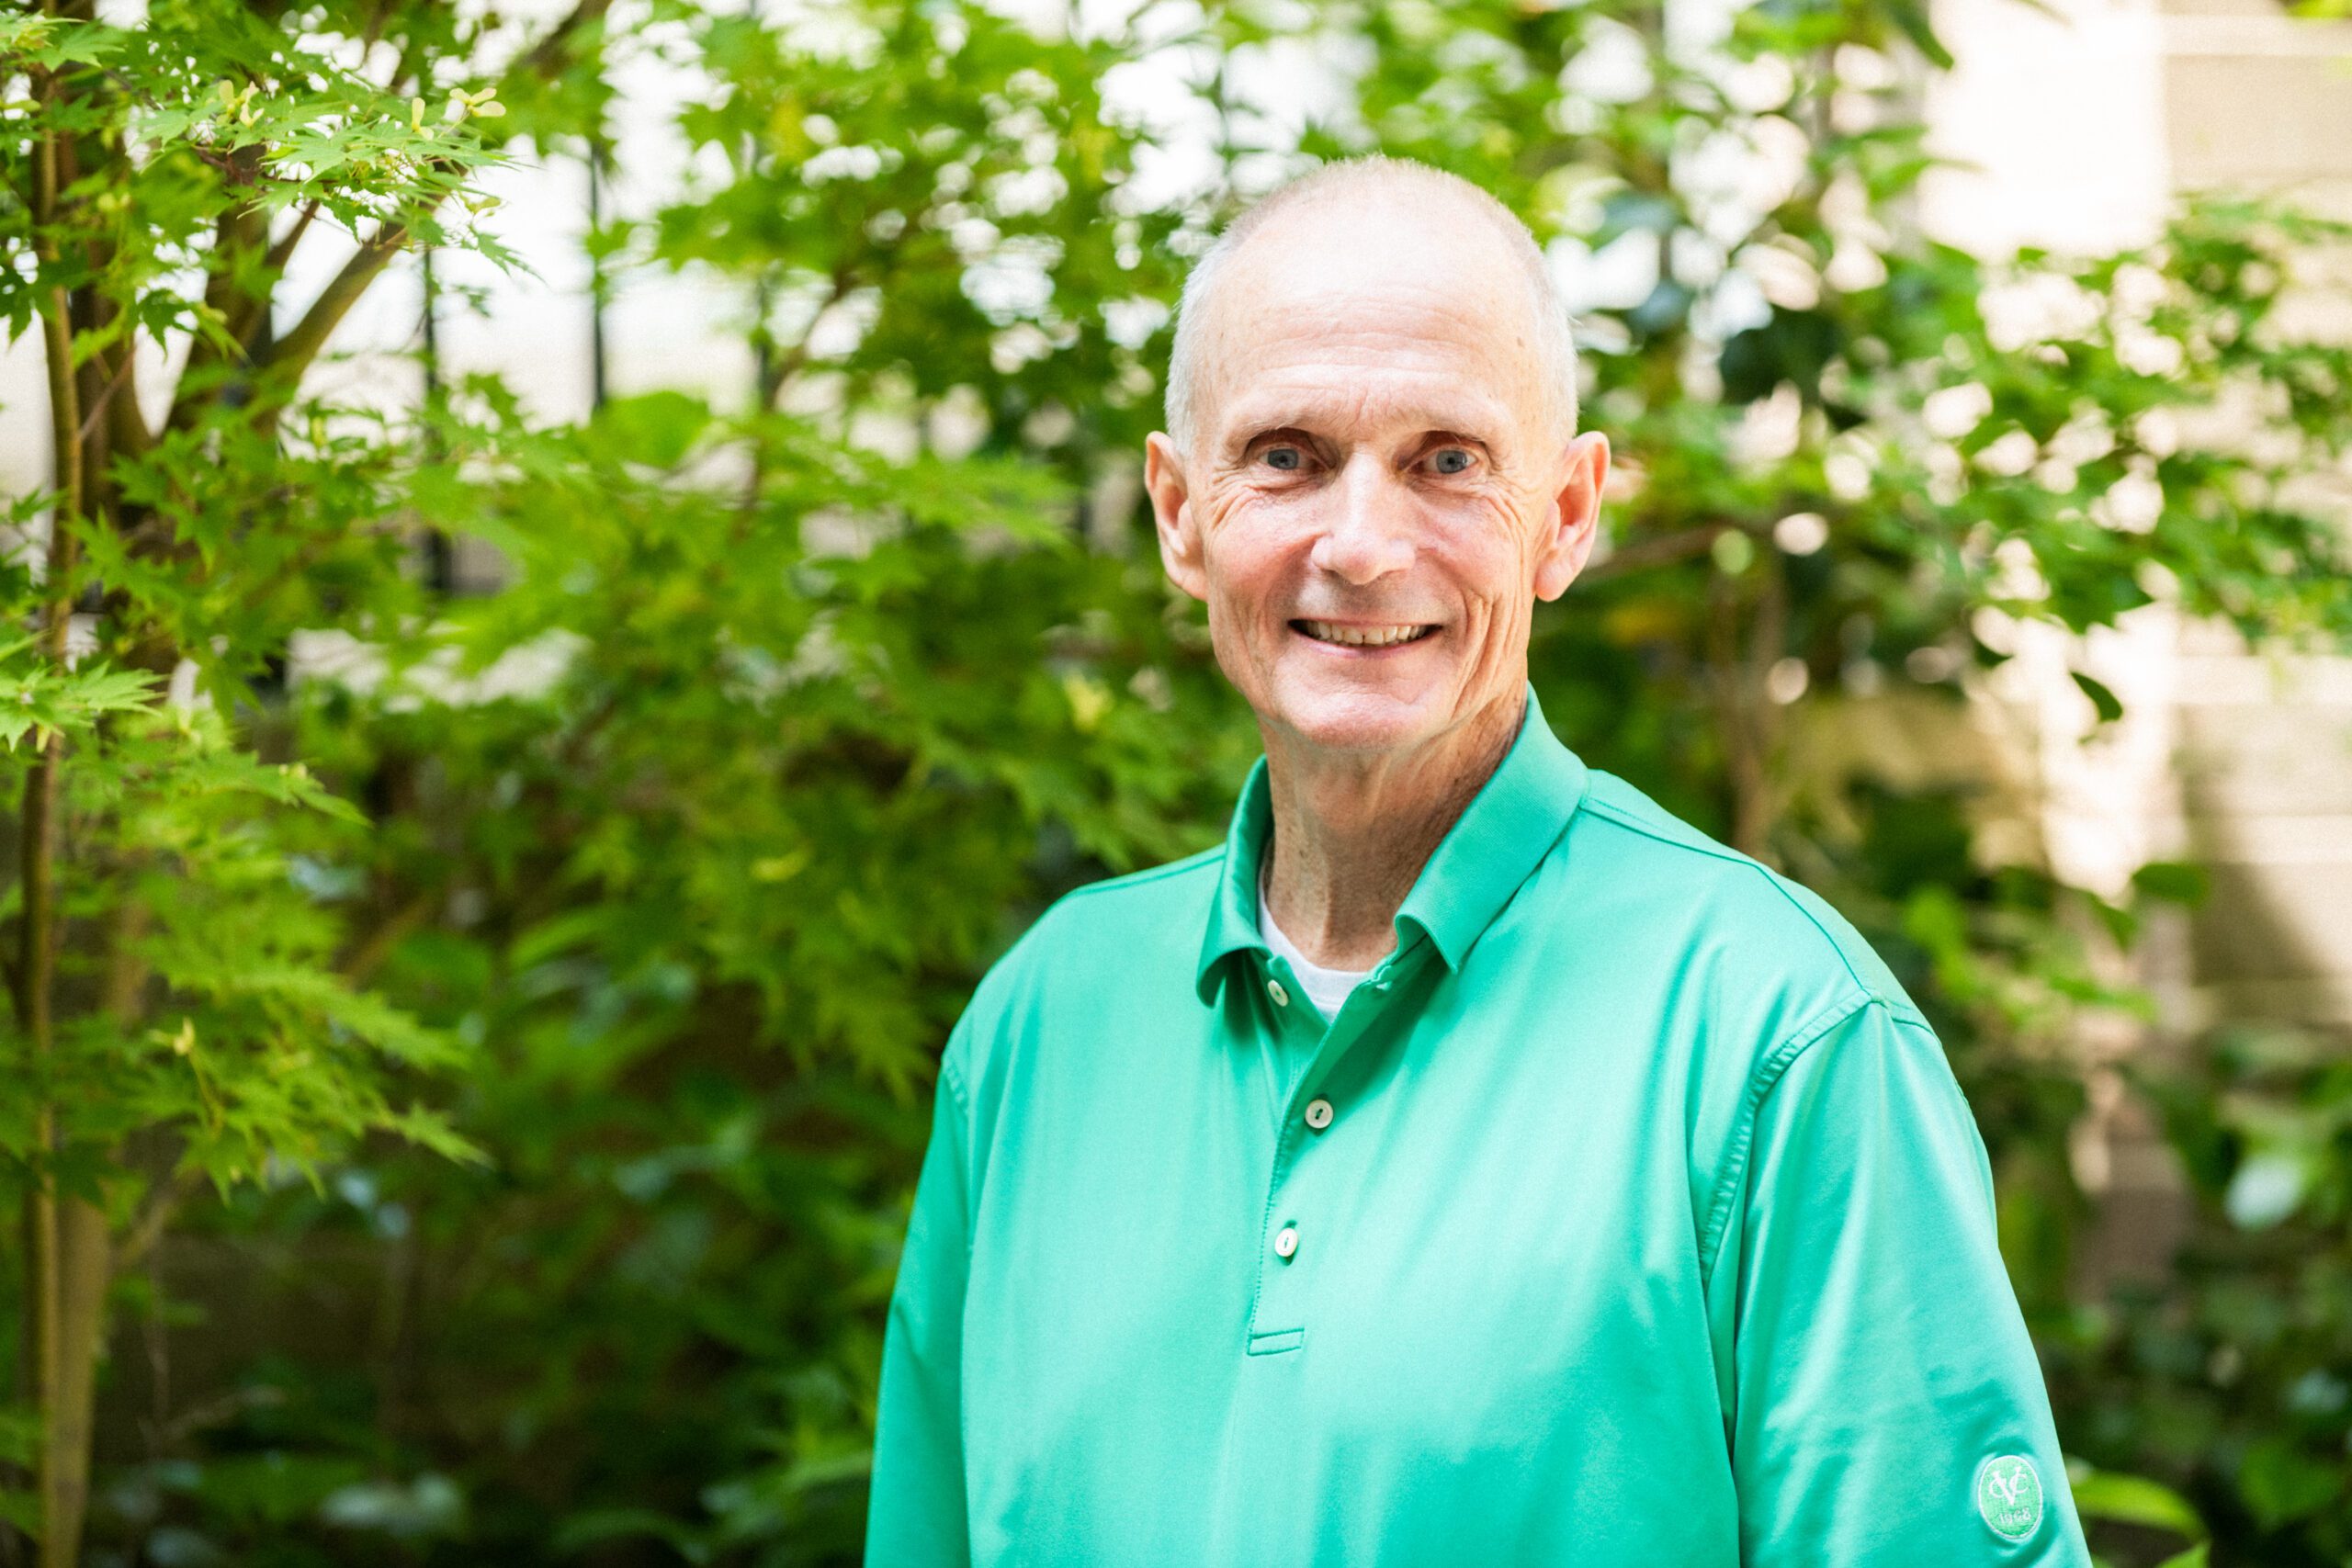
1381	486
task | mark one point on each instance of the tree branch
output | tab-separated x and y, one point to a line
233	233
282	252
46	1279
290	355
547	55
287	357
126	422
163	1201
101	406
360	969
1664	551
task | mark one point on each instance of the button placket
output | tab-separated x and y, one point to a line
1278	1315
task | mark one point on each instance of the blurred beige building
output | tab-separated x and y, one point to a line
2085	126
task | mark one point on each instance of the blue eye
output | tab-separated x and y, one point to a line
1446	460
1285	458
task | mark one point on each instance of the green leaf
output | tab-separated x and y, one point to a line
2135	1500
1910	16
2174	881
656	429
2282	1484
2103	698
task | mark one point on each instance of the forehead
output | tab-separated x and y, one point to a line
1374	318
1327	389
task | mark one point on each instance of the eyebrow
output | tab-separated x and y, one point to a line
1453	423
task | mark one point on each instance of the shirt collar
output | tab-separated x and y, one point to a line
1504	833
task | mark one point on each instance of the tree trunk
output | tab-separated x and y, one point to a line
85	1270
58	1280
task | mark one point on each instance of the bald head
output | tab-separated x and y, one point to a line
1363	212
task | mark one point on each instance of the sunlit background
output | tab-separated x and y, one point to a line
2074	127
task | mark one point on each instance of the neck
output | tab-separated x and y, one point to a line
1352	832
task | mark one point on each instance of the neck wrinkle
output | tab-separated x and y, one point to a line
1348	846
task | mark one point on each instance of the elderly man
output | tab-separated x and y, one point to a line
1467	1162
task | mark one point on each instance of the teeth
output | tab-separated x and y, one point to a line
1363	637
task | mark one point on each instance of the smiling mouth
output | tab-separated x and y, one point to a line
1362	635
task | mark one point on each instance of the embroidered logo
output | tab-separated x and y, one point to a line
2008	1494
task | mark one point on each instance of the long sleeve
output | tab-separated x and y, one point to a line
1890	1411
916	1513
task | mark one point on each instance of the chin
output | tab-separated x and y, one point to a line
1356	721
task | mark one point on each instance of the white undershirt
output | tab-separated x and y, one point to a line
1327	989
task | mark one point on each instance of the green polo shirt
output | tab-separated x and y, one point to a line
1628	1213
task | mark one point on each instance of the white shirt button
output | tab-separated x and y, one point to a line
1318	1113
1275	990
1285	1241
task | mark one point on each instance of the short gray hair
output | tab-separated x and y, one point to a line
1372	174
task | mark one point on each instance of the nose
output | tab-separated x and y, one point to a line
1368	535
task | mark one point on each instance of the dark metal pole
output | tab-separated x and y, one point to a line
596	156
440	555
763	297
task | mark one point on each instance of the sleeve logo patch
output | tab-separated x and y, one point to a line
2008	1494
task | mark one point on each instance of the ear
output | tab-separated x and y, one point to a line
1171	511
1575	516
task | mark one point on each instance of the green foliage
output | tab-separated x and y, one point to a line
223	1018
2231	1382
187	1013
586	942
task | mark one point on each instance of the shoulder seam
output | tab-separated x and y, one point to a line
952	1077
1760	1082
951	1083
1724	853
1150	874
1912	1017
